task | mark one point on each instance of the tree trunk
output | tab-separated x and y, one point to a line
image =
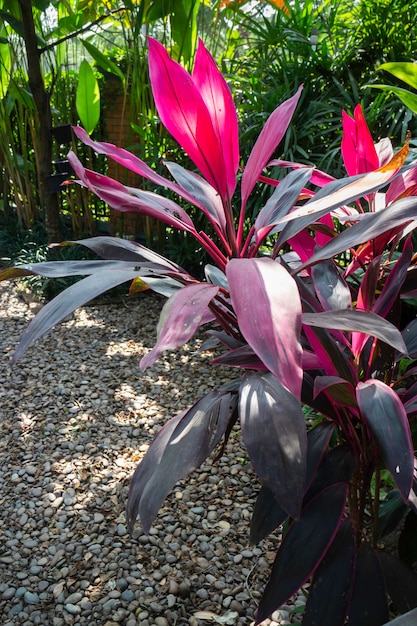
42	103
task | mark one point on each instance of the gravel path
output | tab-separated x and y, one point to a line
76	416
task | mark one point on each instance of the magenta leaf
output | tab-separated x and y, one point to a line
181	316
358	321
358	149
386	417
332	579
274	433
186	116
267	304
133	163
183	448
124	198
268	140
303	548
336	466
368	604
219	102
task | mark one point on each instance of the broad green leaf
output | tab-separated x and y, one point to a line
104	62
5	68
406	72
387	420
87	99
407	97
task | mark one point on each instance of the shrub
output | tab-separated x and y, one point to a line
307	303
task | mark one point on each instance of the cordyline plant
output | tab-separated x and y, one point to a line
308	302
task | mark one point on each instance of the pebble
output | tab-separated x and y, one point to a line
80	416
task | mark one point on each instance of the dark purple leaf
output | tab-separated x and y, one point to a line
340	391
358	321
181	316
116	248
67	301
147	466
368	605
318	439
268	140
243	357
208	198
267	516
329	591
281	202
303	547
192	440
330	287
371	225
385	415
267	304
336	466
409	335
394	281
274	433
401	582
321	403
56	269
267	513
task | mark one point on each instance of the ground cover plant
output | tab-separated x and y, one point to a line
309	302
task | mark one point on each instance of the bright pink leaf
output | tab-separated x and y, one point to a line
268	308
219	101
185	115
269	138
358	150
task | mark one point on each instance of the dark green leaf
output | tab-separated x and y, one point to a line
407	542
391	511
